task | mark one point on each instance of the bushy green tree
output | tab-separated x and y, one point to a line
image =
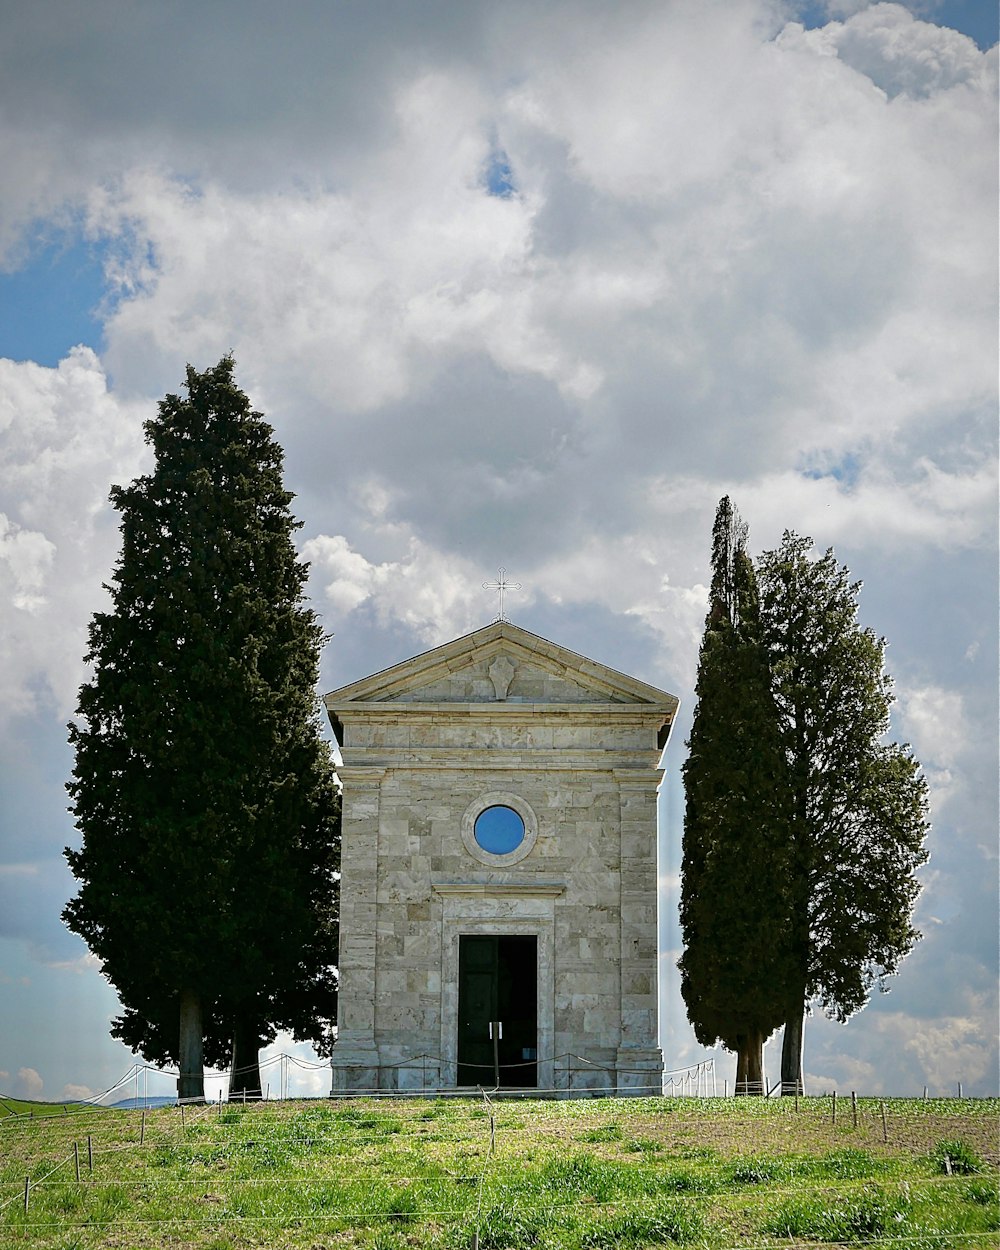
734	905
858	804
202	787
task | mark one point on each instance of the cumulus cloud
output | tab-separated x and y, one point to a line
424	589
76	1093
28	1083
934	719
946	1051
65	439
900	53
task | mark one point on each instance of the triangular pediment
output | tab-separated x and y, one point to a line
500	663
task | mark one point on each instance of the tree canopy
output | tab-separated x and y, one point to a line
202	786
803	827
734	909
858	802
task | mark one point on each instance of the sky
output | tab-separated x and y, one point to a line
528	286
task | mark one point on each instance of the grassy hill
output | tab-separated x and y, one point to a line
592	1175
25	1106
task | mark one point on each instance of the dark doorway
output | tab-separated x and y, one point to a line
498	993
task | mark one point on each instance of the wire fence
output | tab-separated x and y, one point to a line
116	1162
575	1075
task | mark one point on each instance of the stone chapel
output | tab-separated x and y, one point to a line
499	870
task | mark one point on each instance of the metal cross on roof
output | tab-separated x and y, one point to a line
501	586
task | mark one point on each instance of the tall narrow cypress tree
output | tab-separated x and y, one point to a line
734	905
858	803
202	787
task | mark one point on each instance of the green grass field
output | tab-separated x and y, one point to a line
592	1175
22	1106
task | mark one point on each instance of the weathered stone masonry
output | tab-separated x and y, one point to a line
500	718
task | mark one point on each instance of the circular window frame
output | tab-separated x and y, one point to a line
499	798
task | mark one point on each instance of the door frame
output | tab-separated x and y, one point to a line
525	911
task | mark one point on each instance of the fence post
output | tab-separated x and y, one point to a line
885	1126
76	1160
142	1128
27	1191
90	1152
834	1106
960	1089
854	1108
495	1035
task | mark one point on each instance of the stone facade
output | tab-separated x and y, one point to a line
499	719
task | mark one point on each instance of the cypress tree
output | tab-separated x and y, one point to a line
734	908
858	804
202	787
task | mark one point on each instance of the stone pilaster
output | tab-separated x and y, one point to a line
355	1056
639	1061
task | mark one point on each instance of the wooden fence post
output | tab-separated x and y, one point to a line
835	1106
885	1126
854	1108
90	1152
76	1160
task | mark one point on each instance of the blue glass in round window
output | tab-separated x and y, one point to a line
499	830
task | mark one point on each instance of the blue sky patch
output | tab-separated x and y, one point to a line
53	302
844	471
499	178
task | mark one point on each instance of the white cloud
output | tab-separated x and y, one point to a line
933	719
76	1093
28	1084
947	1050
25	558
65	439
88	962
899	53
425	589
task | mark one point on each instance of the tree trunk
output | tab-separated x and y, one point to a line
750	1063
791	1052
191	1081
741	1065
245	1080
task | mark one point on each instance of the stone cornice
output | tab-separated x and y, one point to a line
511	889
510	710
497	759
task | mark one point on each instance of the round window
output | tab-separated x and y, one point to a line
499	830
